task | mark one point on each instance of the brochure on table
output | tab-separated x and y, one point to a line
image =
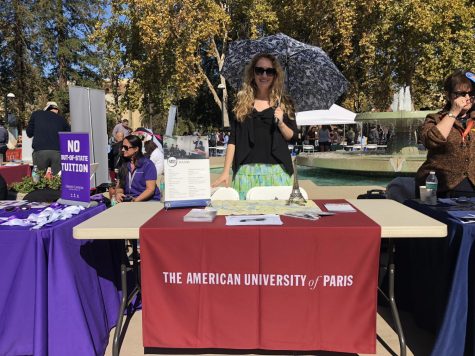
187	177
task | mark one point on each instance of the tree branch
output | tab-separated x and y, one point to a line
210	86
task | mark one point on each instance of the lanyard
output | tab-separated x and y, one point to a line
470	123
131	179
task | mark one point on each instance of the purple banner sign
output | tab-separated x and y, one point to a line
75	166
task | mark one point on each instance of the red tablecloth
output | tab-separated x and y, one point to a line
305	285
13	174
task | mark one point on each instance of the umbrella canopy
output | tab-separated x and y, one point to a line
147	135
312	79
336	115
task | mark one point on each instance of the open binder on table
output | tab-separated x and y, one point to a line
187	176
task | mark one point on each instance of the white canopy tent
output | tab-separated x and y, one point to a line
336	115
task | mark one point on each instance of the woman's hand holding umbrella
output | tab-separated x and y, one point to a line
279	116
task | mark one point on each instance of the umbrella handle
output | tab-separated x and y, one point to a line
277	104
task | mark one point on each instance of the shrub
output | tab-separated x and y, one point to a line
27	185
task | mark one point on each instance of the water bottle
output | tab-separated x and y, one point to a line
161	187
35	175
112	191
113	201
431	186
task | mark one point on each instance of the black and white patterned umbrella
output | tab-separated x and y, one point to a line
312	79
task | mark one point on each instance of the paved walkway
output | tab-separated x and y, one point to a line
419	342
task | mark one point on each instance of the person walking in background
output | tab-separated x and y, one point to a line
324	142
373	136
226	139
334	136
3	140
44	126
123	127
220	135
448	137
212	139
265	121
350	136
115	154
312	136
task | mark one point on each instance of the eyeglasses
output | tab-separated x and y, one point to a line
458	94
124	147
269	71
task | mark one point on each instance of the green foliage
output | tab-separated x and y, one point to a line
44	46
381	45
150	54
27	185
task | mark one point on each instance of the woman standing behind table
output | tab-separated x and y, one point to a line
450	140
265	121
137	174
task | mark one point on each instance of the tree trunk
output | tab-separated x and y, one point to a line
223	101
224	104
20	64
62	37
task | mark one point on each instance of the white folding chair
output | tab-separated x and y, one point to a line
222	193
272	193
308	148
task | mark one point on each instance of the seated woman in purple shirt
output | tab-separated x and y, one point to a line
137	175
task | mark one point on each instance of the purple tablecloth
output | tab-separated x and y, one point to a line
58	295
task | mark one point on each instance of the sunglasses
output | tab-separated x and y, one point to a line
269	71
124	147
458	94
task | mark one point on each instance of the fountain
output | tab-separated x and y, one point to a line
402	155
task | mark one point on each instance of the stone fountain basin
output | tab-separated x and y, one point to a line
368	163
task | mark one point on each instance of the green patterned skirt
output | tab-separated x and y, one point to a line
257	175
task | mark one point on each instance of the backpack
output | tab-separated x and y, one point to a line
373	194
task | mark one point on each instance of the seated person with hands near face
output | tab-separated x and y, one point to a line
265	122
137	174
449	137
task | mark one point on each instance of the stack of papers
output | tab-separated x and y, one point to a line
464	216
200	215
340	208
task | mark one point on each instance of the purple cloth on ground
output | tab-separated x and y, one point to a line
58	295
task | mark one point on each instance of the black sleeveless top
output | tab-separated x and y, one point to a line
258	140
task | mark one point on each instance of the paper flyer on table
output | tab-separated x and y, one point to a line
267	219
340	207
187	176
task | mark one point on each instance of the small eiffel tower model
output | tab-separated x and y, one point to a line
296	197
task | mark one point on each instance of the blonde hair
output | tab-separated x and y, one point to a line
246	96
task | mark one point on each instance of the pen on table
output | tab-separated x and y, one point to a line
253	219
